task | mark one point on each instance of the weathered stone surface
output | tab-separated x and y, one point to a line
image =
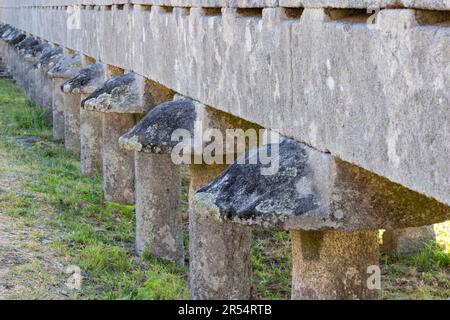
86	81
159	225
409	240
34	84
153	134
35	52
314	191
91	159
27	43
123	96
4	28
363	4
57	109
128	93
67	67
72	137
214	258
423	4
118	164
220	264
158	185
64	69
158	188
345	78
211	3
6	31
334	265
49	58
115	93
10	34
158	131
29	53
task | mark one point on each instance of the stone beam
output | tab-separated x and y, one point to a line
375	95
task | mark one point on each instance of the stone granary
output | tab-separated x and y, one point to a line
63	70
359	87
120	102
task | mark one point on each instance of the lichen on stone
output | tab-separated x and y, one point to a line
243	194
131	144
154	132
85	81
29	41
16	38
66	67
120	94
36	51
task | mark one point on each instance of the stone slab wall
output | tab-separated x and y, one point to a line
370	89
418	4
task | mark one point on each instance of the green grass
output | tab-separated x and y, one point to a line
96	236
19	115
99	237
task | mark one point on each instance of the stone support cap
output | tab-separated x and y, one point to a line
15	38
311	190
29	41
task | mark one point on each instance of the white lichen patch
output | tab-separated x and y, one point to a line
131	144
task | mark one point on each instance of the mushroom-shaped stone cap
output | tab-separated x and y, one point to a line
16	38
29	41
7	31
67	67
27	47
154	133
4	29
311	190
49	57
127	93
37	51
86	81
